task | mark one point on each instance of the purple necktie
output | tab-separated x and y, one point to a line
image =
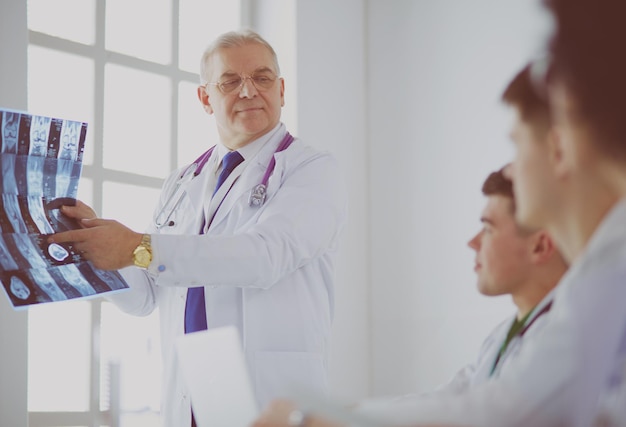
230	161
195	310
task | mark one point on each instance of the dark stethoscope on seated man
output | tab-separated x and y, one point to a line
257	194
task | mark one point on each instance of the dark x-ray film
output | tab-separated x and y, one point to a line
41	161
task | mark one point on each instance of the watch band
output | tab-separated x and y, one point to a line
142	255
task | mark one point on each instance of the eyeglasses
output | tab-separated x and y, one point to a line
262	81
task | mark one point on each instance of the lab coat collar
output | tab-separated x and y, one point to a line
248	151
606	239
538	309
247	175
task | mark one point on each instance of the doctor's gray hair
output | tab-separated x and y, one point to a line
233	39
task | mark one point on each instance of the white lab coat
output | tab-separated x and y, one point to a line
473	374
612	406
612	403
280	255
560	372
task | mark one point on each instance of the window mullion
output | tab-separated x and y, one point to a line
174	79
96	315
98	131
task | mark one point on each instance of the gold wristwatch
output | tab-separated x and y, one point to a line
142	255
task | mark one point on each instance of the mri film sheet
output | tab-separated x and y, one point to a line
41	163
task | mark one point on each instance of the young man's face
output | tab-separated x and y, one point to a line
502	249
531	173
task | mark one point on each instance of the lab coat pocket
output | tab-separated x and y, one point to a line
279	373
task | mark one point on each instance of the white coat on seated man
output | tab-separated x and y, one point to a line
510	260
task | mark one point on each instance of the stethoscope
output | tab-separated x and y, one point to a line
546	308
255	200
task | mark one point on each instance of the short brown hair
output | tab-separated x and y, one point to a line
587	55
522	94
497	184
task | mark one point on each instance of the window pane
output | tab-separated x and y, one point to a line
58	356
129	204
197	130
200	21
137	115
141	28
85	190
69	19
65	90
133	345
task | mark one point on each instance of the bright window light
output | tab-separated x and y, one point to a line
140	28
68	19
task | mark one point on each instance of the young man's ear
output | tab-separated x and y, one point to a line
543	246
203	97
556	154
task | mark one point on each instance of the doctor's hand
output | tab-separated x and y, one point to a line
108	244
281	413
79	212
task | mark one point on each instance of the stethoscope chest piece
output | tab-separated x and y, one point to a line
257	196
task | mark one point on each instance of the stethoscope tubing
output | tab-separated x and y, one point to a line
257	195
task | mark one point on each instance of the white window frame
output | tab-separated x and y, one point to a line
98	174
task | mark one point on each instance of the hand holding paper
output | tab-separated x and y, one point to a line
79	212
106	243
41	163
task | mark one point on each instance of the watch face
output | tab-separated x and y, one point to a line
142	257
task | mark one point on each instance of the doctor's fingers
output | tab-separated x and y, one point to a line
108	248
276	414
95	229
79	211
71	236
280	413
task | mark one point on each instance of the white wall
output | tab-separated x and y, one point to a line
406	94
332	115
436	129
13	325
275	20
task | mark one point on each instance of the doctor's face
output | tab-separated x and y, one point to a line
243	112
502	249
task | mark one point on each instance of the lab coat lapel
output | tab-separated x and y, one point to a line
198	188
216	203
249	178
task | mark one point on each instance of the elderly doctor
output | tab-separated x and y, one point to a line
253	247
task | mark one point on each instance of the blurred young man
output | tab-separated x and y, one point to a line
510	260
574	184
585	84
